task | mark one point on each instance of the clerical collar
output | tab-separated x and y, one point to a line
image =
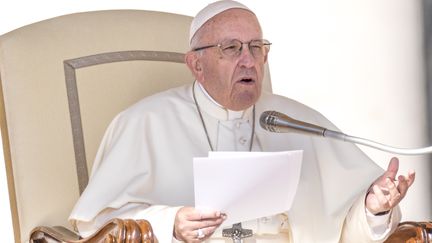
215	109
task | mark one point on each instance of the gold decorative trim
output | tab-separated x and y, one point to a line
9	168
70	67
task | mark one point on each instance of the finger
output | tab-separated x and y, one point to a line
407	182
411	177
384	185
209	223
201	215
211	214
403	185
393	168
382	199
210	230
394	194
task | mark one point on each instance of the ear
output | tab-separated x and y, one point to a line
192	60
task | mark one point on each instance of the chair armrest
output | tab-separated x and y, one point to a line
114	231
410	231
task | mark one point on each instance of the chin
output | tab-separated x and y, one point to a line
244	102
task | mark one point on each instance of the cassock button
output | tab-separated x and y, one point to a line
238	124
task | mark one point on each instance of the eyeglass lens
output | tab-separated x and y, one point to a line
233	48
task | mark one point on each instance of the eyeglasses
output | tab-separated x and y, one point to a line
233	48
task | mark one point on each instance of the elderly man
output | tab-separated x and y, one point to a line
342	196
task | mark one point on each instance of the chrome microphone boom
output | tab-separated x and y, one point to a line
274	121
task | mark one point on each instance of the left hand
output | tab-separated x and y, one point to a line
386	192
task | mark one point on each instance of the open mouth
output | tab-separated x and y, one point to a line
246	80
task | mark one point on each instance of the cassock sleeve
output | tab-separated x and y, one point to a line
358	225
121	177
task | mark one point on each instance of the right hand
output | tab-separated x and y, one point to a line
189	221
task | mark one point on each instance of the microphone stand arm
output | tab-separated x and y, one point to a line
274	121
372	144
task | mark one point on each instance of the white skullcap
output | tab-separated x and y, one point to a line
210	11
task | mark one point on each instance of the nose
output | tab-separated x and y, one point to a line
246	59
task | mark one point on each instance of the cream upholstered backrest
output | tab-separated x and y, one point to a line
63	80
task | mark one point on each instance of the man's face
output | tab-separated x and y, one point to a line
234	82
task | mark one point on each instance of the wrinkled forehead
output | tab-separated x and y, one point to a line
210	11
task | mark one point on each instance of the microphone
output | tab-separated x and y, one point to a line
274	121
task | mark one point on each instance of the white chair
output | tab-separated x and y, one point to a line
63	80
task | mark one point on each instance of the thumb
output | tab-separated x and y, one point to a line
392	168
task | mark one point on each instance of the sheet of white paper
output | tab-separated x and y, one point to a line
247	185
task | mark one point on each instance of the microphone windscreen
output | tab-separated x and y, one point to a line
268	120
274	121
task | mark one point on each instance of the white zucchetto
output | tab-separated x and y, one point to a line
210	11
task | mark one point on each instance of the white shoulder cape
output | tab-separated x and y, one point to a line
146	156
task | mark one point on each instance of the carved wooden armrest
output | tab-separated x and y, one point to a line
412	232
114	231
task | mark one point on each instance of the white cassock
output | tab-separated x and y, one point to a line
143	169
